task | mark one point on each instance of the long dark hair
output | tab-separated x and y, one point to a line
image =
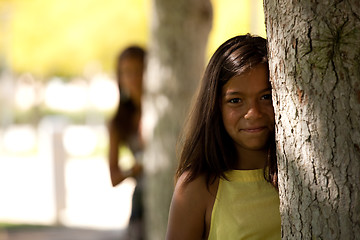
205	146
122	120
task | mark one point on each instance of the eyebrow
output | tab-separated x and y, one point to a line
237	93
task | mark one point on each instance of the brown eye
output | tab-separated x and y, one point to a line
266	97
235	100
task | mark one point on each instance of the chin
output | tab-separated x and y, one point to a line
256	146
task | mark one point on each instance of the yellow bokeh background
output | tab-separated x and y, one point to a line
62	37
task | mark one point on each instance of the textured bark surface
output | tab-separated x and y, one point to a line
179	33
314	51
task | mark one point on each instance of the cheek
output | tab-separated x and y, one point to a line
225	117
230	117
139	83
125	82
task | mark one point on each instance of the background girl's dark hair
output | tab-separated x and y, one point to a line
205	147
122	120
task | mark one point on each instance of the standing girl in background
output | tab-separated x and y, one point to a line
226	181
124	130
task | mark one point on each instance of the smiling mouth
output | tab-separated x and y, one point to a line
253	130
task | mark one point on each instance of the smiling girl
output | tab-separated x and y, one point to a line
226	181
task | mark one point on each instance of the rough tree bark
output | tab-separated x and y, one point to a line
178	39
314	51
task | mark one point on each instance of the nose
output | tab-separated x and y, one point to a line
254	112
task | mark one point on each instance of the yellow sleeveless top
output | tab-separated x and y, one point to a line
246	207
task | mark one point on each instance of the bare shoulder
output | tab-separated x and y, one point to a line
188	209
193	188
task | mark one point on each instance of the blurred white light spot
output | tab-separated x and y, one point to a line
76	96
54	93
103	92
24	97
19	138
68	97
79	140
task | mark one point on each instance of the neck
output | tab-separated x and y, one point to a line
252	159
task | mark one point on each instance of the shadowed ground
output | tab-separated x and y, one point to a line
29	232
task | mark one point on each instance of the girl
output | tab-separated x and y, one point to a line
124	129
226	182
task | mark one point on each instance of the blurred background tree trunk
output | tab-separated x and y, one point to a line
176	58
314	50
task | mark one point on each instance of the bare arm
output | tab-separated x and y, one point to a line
187	210
116	173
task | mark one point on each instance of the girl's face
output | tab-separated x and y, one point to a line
131	76
247	110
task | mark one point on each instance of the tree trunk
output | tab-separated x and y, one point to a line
178	39
314	51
